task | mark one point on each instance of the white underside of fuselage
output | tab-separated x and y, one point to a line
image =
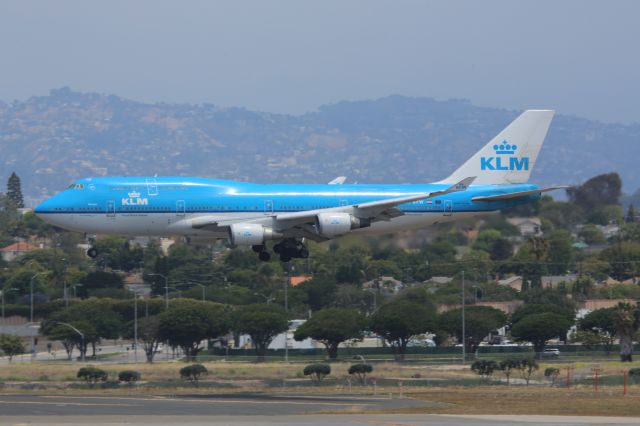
171	224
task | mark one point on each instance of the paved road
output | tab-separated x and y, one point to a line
247	409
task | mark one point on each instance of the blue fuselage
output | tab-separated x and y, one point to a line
158	205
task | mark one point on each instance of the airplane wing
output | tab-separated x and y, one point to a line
338	181
515	194
373	209
301	223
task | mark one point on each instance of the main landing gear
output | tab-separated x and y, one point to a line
289	248
92	252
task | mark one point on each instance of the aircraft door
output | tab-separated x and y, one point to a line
268	206
180	208
152	187
111	208
448	207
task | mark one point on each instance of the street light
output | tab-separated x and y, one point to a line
75	286
135	324
266	298
464	338
166	288
33	339
81	337
2	293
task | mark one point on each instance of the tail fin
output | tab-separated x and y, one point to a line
510	156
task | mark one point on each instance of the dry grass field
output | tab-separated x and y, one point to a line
454	388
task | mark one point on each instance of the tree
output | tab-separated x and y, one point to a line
527	366
627	320
400	320
624	259
479	322
331	327
591	234
549	305
188	322
148	334
539	328
507	366
360	371
14	191
631	215
501	249
319	292
552	373
484	368
95	318
604	189
317	372
560	252
601	323
262	323
11	345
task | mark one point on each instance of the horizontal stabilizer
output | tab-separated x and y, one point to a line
338	181
516	194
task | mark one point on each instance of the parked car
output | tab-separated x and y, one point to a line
551	353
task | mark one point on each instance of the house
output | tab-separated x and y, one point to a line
386	284
296	280
609	231
514	282
15	250
527	226
439	280
552	281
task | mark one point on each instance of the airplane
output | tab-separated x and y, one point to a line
251	214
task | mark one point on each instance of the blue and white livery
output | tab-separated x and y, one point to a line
251	214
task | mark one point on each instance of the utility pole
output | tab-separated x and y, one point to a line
287	280
135	327
464	336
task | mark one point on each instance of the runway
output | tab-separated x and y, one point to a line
247	409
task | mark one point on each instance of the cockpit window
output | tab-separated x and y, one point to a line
76	186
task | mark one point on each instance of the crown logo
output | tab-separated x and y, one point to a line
505	148
134	194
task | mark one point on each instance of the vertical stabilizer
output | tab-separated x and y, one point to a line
510	156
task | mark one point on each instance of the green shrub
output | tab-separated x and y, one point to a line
129	376
317	371
634	375
360	371
92	374
552	373
193	372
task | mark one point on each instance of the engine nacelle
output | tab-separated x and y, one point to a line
250	234
336	224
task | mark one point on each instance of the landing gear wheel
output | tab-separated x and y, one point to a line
92	253
258	248
277	248
264	256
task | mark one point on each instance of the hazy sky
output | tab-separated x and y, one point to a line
578	57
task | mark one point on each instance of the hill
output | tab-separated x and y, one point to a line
51	140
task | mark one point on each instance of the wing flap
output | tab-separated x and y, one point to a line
516	194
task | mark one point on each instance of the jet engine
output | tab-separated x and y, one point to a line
336	224
251	234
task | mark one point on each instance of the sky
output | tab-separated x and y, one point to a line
578	57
